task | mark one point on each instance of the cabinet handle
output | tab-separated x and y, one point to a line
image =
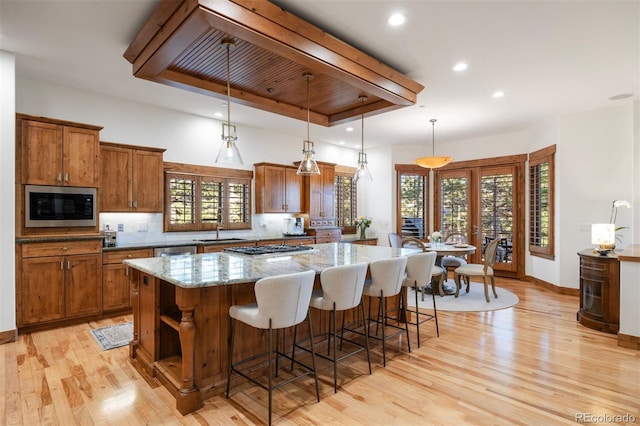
129	256
62	265
135	204
59	177
130	203
64	249
66	177
68	264
126	271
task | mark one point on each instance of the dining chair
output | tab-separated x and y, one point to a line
386	280
341	291
419	268
437	273
282	301
395	240
450	263
484	270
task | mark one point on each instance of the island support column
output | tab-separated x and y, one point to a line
188	398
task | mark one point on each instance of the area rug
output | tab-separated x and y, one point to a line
473	301
114	336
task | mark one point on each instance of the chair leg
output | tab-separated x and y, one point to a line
493	287
435	316
467	280
486	289
456	278
418	316
441	282
231	339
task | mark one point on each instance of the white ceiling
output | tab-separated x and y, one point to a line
549	57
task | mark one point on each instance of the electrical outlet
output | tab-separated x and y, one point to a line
107	226
121	227
143	227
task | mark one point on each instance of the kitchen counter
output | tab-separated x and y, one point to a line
197	242
181	311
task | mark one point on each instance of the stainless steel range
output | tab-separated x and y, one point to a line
270	249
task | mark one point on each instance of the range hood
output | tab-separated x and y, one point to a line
180	45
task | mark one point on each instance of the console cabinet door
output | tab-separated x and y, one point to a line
41	290
83	284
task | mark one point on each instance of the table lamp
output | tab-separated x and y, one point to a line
604	235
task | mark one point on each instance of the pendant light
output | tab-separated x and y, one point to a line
362	170
433	162
308	165
228	153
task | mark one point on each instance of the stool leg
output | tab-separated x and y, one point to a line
406	323
270	369
335	352
384	322
231	339
366	334
418	315
435	315
313	356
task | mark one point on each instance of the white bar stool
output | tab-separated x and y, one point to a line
341	290
282	301
419	269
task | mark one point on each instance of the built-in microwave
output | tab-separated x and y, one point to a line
47	206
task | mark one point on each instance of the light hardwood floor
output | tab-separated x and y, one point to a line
532	364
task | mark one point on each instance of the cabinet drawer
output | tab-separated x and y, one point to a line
329	233
61	248
119	256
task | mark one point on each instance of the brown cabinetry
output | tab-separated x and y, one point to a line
115	278
54	152
326	235
278	189
599	291
131	179
319	196
59	280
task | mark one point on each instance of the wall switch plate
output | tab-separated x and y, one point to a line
143	227
121	227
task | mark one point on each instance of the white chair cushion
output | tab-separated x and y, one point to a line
473	269
437	271
452	261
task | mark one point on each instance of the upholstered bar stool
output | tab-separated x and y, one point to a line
419	269
387	276
341	290
437	273
282	301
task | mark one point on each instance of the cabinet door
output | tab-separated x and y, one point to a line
115	189
315	199
83	284
81	157
41	290
115	287
148	314
328	191
147	182
274	189
293	191
41	153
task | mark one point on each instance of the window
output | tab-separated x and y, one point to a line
412	207
346	199
541	190
202	198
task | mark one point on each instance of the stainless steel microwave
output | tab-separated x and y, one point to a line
54	206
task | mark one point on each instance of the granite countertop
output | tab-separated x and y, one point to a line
197	242
212	269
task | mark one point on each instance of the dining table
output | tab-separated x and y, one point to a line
448	249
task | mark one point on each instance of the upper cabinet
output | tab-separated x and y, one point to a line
320	192
55	152
278	189
132	179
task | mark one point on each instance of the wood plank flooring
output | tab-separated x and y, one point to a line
531	365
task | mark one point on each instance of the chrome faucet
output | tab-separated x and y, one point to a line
218	228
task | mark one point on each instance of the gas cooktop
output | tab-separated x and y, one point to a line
271	249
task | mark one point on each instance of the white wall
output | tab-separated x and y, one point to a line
7	189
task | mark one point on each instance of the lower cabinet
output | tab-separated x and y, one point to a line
326	235
599	291
115	278
59	280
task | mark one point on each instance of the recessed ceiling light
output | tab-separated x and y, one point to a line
218	114
396	19
341	143
621	96
357	145
498	94
460	66
349	129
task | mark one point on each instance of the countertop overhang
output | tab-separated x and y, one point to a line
213	269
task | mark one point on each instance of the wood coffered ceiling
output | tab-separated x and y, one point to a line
180	45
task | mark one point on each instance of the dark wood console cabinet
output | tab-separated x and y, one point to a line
599	291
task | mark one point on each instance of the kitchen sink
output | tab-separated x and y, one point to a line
219	240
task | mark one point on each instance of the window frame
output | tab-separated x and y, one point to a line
537	158
225	177
412	169
345	172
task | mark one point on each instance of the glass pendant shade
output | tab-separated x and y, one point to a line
433	162
362	169
229	153
308	165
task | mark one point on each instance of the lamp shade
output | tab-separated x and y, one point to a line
603	234
433	162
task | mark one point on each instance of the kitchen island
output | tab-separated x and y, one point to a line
181	310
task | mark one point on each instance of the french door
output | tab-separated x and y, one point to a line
483	200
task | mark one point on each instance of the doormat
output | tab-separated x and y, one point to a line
113	336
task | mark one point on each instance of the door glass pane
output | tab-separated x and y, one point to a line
413	205
454	207
496	198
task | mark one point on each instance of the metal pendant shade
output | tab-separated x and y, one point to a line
362	169
308	165
229	153
433	162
